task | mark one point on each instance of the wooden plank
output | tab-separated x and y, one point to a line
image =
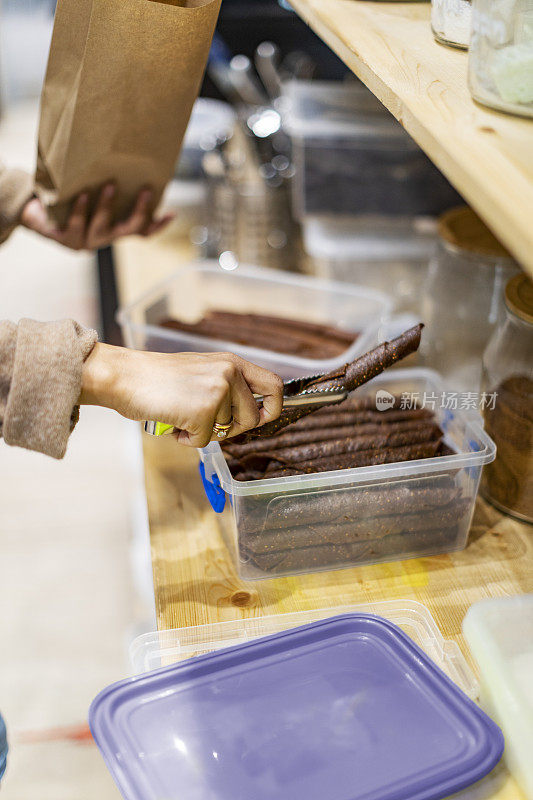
488	156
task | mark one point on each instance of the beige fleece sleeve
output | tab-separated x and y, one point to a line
16	188
40	382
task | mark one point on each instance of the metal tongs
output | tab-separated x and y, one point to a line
296	394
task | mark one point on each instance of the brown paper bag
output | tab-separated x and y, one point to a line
121	81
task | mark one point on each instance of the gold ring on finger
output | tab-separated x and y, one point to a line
221	431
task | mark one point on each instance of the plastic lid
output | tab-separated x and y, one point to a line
341	709
462	228
519	297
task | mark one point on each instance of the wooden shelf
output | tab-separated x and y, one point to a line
488	156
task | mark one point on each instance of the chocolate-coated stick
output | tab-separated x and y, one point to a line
351	506
425	432
291	437
340	533
347	378
347	461
318	419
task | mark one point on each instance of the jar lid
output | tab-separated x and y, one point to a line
462	228
519	297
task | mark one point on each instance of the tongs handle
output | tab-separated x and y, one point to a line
294	401
157	428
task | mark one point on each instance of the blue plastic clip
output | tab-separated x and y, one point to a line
214	491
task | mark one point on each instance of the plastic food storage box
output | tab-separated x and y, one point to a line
277	526
499	633
204	285
352	157
343	708
160	648
375	253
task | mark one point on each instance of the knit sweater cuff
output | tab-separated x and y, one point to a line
41	409
16	189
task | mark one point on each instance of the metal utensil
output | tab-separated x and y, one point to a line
305	397
266	63
244	81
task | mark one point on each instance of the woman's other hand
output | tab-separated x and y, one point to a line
90	232
191	391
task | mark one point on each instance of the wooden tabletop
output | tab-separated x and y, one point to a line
487	155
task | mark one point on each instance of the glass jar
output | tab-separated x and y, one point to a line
451	21
463	297
501	55
508	387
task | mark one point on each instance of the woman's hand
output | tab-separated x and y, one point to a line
191	391
84	232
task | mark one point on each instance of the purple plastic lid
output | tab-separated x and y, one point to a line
347	708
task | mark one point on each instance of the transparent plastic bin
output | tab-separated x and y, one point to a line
373	252
161	648
204	285
499	633
423	507
352	157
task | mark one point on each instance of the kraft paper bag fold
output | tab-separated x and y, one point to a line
120	85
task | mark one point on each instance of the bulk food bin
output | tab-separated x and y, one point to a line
160	648
204	285
352	157
343	708
392	511
375	253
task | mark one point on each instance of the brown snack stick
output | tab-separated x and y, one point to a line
258	466
417	543
291	437
253	336
312	336
348	378
308	558
317	453
367	458
351	533
337	418
425	432
286	323
349	505
363	402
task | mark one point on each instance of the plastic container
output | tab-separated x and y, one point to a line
508	377
291	505
340	709
352	157
192	291
463	297
500	635
161	648
500	70
388	255
451	21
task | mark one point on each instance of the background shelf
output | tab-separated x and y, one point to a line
488	156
